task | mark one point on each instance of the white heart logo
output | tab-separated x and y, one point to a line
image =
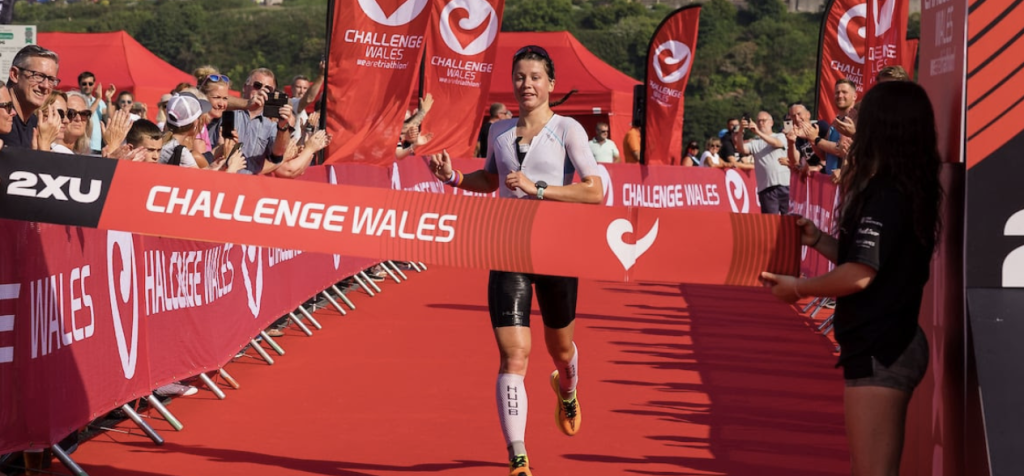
253	255
123	286
478	11
402	15
625	252
680	53
736	190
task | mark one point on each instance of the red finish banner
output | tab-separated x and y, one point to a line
375	52
461	49
858	38
670	58
478	232
91	319
814	197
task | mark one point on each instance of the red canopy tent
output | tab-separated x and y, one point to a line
605	94
115	58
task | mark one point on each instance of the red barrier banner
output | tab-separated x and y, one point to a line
629	185
670	56
373	62
101	318
858	38
461	50
814	197
478	232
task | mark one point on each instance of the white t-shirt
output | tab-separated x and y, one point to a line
554	154
707	159
604	153
301	117
767	169
60	148
186	155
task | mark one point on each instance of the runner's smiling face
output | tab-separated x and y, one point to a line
531	84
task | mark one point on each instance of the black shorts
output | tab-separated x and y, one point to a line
904	374
509	296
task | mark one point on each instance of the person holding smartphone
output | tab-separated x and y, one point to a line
265	139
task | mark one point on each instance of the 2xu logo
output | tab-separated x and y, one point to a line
63	188
53	188
406	12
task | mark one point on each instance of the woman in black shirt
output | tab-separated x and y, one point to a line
888	225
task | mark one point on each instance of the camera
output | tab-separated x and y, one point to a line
275	101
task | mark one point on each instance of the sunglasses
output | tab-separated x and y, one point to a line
259	86
83	83
531	49
602	131
216	78
7	106
125	101
694	146
73	114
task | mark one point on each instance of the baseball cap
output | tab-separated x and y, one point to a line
185	108
722	133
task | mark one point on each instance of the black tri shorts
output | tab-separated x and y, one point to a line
509	296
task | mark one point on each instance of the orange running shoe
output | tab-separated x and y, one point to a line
519	466
567	412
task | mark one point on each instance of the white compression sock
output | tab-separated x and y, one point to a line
511	397
568	375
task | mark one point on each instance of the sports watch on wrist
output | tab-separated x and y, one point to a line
541	185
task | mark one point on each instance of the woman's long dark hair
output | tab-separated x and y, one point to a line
896	141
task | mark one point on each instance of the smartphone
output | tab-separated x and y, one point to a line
275	101
788	126
227	124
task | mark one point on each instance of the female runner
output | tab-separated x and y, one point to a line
532	154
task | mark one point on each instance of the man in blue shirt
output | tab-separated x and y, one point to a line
91	90
264	139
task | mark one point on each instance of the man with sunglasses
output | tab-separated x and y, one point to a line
264	141
32	77
91	89
604	149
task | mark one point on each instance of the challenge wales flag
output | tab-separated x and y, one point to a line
859	38
669	59
375	52
462	42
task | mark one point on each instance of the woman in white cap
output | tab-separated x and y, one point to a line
183	113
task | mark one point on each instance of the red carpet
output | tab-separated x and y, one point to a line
674	380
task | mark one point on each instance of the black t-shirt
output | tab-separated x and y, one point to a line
881	320
481	139
728	148
21	132
807	151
